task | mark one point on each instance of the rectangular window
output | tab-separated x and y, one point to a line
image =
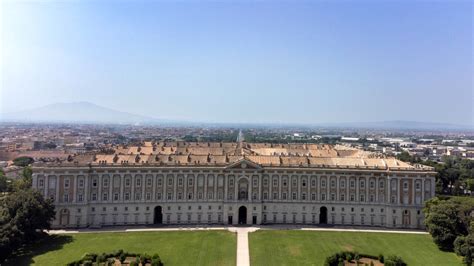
66	183
66	197
81	183
94	196
127	182
105	182
148	182
127	196
138	182
80	197
104	196
41	183
116	196
275	195
148	196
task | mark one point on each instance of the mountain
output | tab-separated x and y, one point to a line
76	112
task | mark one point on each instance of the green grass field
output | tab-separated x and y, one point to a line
281	247
174	248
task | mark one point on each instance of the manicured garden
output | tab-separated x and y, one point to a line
174	248
284	247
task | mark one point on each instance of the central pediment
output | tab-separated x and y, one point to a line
243	164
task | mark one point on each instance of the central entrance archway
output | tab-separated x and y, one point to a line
158	215
243	215
323	215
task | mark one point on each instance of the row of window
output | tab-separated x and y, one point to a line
210	196
105	183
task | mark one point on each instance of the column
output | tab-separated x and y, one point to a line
185	189
226	184
122	185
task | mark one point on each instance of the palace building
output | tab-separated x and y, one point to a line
235	183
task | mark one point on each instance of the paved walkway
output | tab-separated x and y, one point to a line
243	255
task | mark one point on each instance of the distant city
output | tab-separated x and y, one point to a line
53	142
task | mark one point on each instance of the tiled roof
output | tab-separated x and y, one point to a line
225	154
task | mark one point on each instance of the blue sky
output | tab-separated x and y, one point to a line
304	62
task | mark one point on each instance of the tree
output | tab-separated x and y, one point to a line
446	219
23	161
24	214
464	246
3	182
26	181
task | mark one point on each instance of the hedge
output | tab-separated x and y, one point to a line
338	258
108	259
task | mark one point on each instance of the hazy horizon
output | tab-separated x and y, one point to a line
245	62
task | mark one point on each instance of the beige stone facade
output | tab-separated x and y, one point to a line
176	183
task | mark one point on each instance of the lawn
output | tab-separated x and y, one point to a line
174	248
283	247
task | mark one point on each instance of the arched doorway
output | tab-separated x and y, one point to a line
242	215
158	215
323	215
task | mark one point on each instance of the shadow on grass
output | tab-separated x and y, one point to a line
24	256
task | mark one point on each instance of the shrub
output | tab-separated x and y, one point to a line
394	261
110	258
100	258
464	246
381	258
122	257
110	262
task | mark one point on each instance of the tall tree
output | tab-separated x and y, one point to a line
24	214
